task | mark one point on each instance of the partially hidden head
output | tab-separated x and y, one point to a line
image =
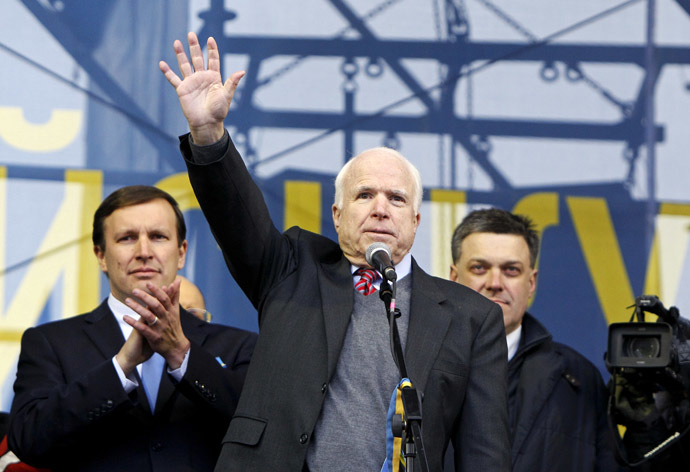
192	300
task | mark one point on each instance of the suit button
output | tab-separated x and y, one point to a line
303	438
324	387
156	446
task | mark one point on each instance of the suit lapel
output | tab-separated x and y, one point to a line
428	324
102	329
336	289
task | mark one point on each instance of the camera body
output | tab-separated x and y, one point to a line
641	345
650	386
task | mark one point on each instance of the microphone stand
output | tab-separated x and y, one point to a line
411	423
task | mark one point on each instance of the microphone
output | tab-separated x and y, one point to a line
378	256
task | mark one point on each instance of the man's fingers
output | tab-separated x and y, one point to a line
213	55
134	351
161	296
140	325
146	316
195	52
172	77
182	61
173	291
233	81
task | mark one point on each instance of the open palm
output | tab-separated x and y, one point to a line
204	98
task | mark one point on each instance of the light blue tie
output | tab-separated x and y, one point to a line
151	372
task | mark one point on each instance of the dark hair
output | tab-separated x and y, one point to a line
133	195
495	220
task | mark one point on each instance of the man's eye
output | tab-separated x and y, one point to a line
512	271
364	195
477	269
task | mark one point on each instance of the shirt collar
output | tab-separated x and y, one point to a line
513	340
402	269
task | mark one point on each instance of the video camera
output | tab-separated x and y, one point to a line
650	381
650	345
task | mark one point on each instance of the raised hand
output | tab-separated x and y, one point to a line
204	98
159	323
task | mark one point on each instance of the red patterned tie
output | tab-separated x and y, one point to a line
366	282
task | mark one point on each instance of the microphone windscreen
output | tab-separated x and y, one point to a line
372	249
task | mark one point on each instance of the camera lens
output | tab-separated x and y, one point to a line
642	346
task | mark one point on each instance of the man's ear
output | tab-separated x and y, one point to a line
417	218
100	255
533	282
183	255
336	217
453	273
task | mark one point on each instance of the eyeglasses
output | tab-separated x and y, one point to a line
200	313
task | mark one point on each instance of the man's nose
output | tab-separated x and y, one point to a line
495	281
143	248
381	207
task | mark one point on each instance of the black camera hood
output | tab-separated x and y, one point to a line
639	345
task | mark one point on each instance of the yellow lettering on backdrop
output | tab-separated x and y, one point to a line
542	209
597	237
57	133
303	205
605	262
66	250
672	234
448	208
652	281
87	187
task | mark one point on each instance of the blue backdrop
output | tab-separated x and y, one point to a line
574	113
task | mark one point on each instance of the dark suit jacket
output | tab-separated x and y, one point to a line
70	411
301	285
560	408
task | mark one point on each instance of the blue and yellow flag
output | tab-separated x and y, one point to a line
393	444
